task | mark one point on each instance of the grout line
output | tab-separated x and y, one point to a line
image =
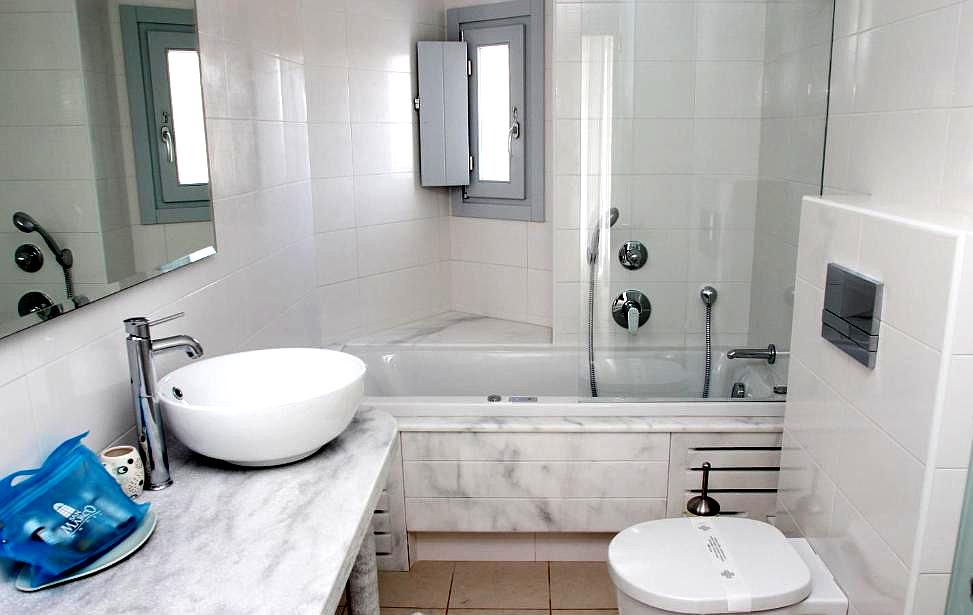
449	594
550	591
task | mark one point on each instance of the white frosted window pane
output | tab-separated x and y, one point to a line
493	112
187	116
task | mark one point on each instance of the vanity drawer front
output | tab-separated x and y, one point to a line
383	544
381	523
530	514
734	458
735	479
505	446
745	476
532	479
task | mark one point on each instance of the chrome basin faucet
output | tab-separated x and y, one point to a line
148	411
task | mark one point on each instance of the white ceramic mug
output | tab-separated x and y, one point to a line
125	466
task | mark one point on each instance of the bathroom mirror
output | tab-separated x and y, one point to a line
104	180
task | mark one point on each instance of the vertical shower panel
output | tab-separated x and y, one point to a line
703	123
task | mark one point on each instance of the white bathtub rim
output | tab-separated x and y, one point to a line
571	406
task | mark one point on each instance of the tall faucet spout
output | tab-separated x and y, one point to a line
148	409
185	343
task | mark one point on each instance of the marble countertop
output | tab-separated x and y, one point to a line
591	424
236	540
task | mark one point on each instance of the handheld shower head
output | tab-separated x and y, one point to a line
26	224
596	235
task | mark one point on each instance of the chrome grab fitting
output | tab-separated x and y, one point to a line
148	410
769	355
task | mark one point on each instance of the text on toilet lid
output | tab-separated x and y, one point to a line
738	595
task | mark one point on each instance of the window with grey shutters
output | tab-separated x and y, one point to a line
481	110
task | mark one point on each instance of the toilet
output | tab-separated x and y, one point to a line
707	565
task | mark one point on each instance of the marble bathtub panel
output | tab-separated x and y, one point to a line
433	446
530	514
729	430
530	479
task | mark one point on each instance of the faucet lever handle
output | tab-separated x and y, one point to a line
166	319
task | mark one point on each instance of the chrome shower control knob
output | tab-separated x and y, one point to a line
631	310
633	255
29	258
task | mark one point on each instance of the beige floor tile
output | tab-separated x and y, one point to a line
499	612
425	586
500	585
584	612
398	611
581	585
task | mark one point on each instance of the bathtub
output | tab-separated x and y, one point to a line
544	380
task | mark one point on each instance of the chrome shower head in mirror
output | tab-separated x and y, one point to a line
24	222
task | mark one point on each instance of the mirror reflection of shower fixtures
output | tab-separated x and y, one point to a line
25	223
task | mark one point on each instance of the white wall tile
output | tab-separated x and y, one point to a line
499	242
805	491
378	96
932	592
917	280
828	235
666	31
327	94
942	521
907	65
729	89
492	290
337	256
20	447
730	31
956	431
330	149
383	148
870	574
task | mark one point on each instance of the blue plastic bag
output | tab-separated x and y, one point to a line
64	514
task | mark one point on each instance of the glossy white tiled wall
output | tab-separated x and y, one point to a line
900	126
70	375
875	461
381	241
685	81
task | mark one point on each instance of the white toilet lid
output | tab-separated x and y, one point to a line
708	565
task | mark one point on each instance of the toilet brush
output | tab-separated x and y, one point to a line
702	505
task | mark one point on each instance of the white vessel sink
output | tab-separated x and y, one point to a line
263	408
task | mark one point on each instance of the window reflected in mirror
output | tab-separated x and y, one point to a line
105	181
